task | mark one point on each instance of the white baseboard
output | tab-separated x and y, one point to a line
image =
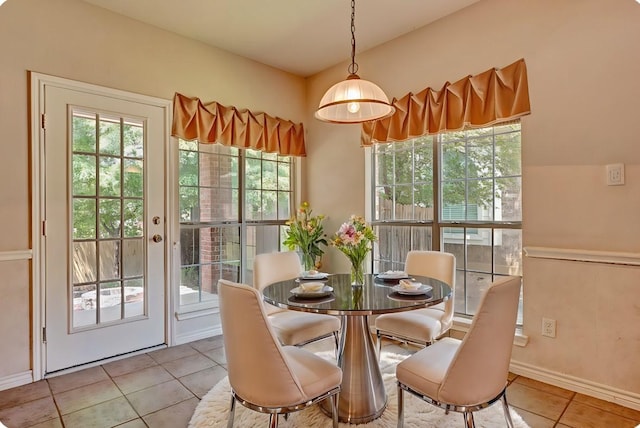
14	380
572	383
197	335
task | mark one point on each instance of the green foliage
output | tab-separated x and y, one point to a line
306	233
472	163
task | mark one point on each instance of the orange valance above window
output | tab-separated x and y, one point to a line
493	96
215	123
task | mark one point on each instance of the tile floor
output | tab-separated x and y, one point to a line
162	388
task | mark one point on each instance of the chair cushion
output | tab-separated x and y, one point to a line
294	327
423	325
315	374
424	371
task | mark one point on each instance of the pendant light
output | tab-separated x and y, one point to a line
354	100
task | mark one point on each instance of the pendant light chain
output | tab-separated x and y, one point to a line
353	68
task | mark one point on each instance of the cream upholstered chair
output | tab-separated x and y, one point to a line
422	326
291	327
264	375
468	375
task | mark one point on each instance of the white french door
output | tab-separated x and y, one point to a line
104	208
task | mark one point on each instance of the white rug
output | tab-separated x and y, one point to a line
213	410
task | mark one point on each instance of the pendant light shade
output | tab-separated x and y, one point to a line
354	100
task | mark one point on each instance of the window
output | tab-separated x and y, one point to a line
459	192
233	204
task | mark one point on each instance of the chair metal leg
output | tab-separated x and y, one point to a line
334	410
400	408
336	339
468	420
231	411
273	420
507	414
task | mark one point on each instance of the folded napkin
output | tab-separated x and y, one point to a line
407	284
311	286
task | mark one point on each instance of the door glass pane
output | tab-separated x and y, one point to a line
109	176
102	258
84	262
84	305
84	175
133	297
84	215
133	257
110	301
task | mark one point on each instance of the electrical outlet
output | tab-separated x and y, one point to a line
548	327
615	174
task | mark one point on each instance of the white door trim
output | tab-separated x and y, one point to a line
37	82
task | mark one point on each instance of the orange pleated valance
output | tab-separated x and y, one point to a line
215	123
493	96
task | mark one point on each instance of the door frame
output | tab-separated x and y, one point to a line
37	84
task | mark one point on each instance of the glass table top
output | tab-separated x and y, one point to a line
339	297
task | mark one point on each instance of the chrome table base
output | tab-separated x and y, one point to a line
362	397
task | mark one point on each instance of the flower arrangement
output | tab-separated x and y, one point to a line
307	234
355	239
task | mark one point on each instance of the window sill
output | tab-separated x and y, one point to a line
197	310
463	324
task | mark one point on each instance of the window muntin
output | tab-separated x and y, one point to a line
458	191
233	204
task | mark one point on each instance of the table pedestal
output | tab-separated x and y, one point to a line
362	397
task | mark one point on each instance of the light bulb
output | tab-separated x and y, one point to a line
353	107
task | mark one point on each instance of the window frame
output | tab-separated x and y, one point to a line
437	224
183	310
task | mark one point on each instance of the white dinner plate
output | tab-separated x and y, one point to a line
324	291
393	274
319	275
422	289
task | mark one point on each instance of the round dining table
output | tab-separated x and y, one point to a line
362	397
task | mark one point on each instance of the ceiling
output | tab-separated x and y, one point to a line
302	37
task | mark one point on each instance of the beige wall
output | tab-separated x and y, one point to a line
75	40
583	64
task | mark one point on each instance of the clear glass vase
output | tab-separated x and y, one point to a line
357	272
308	261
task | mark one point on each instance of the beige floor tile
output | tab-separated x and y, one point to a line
580	415
217	355
536	401
136	423
51	423
176	416
533	420
551	389
201	382
86	396
107	414
208	344
609	406
144	378
187	365
128	365
22	394
173	353
30	413
77	379
158	397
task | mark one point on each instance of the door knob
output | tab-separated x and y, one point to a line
157	238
